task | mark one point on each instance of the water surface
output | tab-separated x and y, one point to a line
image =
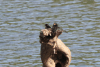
21	22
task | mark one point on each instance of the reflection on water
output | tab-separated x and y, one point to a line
21	22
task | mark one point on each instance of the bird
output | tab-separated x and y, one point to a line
47	26
54	27
57	30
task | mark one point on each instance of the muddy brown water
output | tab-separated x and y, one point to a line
22	20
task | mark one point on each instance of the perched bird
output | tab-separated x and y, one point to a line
48	30
47	26
56	30
54	27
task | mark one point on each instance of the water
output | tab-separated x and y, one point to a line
22	20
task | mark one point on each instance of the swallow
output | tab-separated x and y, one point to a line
47	26
54	27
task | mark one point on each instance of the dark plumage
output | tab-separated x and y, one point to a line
54	27
56	30
47	26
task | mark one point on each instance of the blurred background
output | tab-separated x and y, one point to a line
22	20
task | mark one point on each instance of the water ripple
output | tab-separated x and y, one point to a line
21	22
